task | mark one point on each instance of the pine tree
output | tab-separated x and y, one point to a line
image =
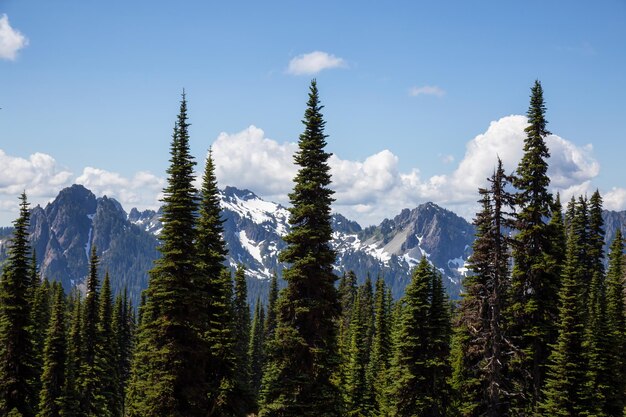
168	377
409	392
303	356
440	332
16	343
356	384
255	351
270	317
39	319
481	345
381	347
347	292
90	374
54	359
596	341
107	354
533	308
123	327
616	329
70	403
242	338
566	386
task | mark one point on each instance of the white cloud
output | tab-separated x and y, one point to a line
366	191
314	62
615	199
250	160
142	190
40	175
370	190
11	40
427	90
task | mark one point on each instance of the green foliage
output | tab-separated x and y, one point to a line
169	366
566	389
91	372
381	346
357	393
616	329
16	342
54	359
533	309
256	354
419	370
481	343
39	320
242	338
70	406
123	329
303	356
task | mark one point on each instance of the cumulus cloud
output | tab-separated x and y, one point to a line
427	90
366	191
375	188
250	160
142	190
314	62
615	199
42	177
11	40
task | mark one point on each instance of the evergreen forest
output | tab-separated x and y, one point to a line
539	330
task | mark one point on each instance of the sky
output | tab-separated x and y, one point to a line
420	97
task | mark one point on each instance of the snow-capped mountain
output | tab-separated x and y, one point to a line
64	232
253	230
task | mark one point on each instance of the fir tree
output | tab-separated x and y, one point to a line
16	343
440	332
616	326
90	373
54	359
168	377
409	392
218	329
347	292
255	350
70	403
533	308
596	341
381	347
242	337
566	389
270	317
480	339
123	327
107	354
356	384
39	319
303	356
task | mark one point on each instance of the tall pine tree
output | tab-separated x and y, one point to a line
54	358
533	310
168	377
616	324
16	344
303	355
566	389
419	370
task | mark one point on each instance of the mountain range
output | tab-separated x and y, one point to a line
64	232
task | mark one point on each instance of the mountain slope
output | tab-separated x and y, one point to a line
62	234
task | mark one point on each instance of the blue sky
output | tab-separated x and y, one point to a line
89	92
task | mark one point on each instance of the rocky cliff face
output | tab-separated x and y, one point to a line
64	231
